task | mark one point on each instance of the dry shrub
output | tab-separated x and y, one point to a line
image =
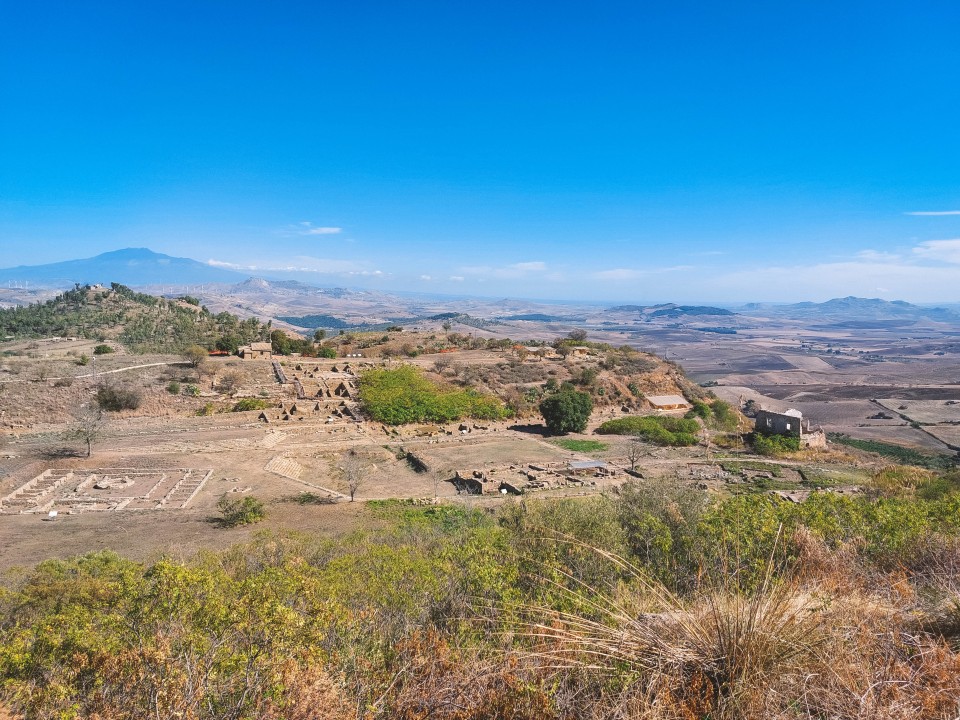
438	682
722	653
875	665
309	694
230	380
829	570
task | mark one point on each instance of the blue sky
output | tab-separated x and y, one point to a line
625	151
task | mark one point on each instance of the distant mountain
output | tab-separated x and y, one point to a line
542	317
670	310
131	266
858	309
261	285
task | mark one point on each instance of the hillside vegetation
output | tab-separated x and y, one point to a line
654	602
144	323
403	395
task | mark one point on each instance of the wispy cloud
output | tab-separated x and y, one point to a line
426	278
308	228
947	251
457	278
933	213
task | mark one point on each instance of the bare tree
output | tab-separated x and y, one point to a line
231	380
43	372
634	453
89	425
353	473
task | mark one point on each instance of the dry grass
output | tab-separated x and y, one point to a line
817	644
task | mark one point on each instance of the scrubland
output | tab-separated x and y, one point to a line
651	602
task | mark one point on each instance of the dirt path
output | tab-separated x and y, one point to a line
98	374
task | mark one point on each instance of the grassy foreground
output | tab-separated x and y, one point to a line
651	603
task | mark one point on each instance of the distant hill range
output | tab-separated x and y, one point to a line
854	308
671	311
255	285
131	266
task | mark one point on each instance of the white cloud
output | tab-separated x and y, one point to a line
230	265
323	231
426	278
367	273
934	213
308	228
457	278
947	251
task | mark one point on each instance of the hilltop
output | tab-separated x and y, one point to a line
143	323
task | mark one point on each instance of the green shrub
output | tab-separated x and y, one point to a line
240	511
103	350
83	360
173	388
402	395
192	391
774	445
659	430
699	409
326	352
208	409
246	404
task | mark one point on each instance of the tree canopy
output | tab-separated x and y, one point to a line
567	411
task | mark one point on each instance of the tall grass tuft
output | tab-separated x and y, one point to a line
722	652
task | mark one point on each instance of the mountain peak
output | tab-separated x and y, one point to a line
128	266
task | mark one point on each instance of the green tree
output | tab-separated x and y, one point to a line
319	335
567	411
195	355
280	342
